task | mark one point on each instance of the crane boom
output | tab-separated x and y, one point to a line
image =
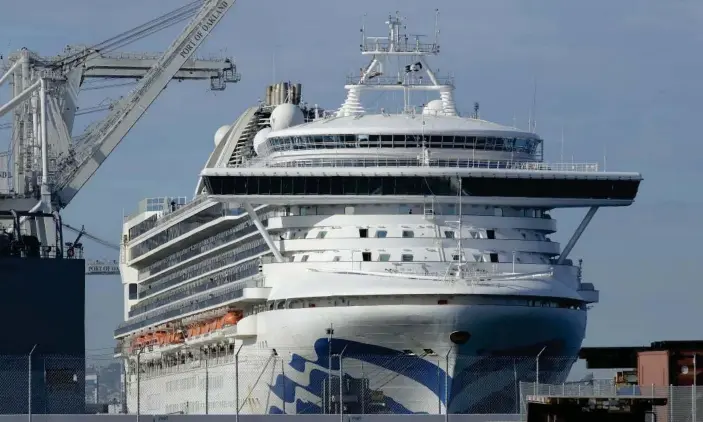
80	167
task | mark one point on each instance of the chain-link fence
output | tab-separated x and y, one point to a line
290	382
684	403
57	384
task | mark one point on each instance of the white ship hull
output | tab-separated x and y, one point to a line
372	340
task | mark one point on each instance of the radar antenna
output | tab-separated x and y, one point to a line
412	57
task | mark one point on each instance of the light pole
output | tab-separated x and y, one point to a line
29	384
139	370
513	262
537	361
341	385
236	382
695	379
330	332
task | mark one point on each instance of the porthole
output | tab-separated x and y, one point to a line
459	337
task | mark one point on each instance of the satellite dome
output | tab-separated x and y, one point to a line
286	115
434	108
260	139
220	134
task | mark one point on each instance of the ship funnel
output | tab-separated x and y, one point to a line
283	92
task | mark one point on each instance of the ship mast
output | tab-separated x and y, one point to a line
397	48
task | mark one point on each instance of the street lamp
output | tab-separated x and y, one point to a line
139	353
29	374
236	382
330	332
537	361
695	382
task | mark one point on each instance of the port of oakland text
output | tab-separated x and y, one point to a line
204	28
103	268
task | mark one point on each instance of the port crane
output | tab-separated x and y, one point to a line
47	166
93	267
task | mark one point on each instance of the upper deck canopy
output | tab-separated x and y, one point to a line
407	124
488	186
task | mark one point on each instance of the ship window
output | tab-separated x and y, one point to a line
132	291
336	259
406	257
455	257
381	233
366	256
363	233
474	234
321	235
494	257
304	258
408	233
384	257
491	234
449	234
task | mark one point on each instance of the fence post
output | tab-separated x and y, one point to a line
207	386
446	386
124	387
341	388
139	376
693	403
364	385
283	388
517	388
439	387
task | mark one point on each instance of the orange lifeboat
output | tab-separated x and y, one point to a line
204	328
161	338
147	339
212	325
178	337
231	318
219	323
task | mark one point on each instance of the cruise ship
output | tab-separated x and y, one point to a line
358	260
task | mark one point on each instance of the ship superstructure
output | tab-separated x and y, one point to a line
403	252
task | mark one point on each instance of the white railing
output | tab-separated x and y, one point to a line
383	46
168	216
390	80
456	163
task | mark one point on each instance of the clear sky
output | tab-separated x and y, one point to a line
623	80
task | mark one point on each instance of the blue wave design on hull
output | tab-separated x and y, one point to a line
416	368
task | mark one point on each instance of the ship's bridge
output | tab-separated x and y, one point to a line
373	139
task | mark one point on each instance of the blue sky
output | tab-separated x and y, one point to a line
622	79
